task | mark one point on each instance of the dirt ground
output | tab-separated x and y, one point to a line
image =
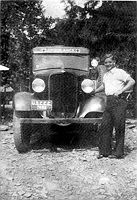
71	173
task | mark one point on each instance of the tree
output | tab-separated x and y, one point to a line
22	27
103	28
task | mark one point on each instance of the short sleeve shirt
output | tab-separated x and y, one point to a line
114	80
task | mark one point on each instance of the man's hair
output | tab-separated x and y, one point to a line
109	55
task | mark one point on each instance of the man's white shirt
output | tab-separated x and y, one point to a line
114	80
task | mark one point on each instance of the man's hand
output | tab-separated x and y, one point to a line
129	84
92	93
100	89
118	93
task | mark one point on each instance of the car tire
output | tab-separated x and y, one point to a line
22	134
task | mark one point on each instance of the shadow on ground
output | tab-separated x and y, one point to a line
68	137
74	136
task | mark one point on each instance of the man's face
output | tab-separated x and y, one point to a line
109	63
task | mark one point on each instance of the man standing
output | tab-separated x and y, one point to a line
115	82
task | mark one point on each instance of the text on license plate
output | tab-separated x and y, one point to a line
41	104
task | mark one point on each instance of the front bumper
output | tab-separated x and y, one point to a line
60	120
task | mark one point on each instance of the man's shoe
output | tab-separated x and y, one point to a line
101	156
113	156
120	157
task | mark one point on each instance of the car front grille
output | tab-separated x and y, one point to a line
63	93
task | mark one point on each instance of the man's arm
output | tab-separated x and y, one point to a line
128	86
100	88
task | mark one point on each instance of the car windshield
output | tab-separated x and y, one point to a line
48	61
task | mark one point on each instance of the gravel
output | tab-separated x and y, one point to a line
71	173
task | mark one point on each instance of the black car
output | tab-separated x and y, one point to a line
60	93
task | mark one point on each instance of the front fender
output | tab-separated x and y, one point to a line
22	101
93	104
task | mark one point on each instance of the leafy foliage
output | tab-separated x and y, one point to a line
22	26
112	19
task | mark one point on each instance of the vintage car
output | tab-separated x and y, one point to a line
61	93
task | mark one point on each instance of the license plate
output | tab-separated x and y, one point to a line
41	104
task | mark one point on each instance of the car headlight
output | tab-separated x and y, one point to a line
38	85
87	85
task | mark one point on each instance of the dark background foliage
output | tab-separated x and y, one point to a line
22	28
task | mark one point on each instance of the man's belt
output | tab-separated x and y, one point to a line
123	96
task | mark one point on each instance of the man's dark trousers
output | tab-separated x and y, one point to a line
113	116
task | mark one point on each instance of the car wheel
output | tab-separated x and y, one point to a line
22	133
